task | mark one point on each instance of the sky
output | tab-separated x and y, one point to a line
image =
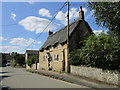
24	24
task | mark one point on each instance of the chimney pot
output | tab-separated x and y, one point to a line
81	13
50	32
80	8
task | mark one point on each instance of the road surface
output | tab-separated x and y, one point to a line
19	78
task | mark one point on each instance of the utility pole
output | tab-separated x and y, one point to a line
68	65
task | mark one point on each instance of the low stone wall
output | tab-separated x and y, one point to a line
33	66
97	74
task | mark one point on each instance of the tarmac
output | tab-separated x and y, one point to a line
94	84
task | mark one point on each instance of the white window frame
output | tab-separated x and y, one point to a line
58	46
51	48
44	58
56	57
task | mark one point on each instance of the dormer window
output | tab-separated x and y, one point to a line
58	46
50	48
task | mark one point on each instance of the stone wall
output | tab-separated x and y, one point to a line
97	74
55	65
33	66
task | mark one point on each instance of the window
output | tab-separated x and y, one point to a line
56	57
44	57
58	46
50	48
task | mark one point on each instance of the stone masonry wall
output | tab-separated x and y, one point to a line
33	66
97	74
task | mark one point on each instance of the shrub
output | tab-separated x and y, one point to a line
32	60
100	51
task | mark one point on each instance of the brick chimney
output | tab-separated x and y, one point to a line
50	32
81	13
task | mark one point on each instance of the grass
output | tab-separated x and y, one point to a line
59	71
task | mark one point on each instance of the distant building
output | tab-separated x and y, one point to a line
5	58
29	53
53	53
0	59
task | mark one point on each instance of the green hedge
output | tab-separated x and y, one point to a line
102	51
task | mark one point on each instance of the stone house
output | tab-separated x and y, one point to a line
29	53
53	53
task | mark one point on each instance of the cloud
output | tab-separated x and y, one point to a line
90	14
13	16
73	14
44	12
85	10
9	48
61	17
37	24
23	42
19	45
2	39
31	2
97	32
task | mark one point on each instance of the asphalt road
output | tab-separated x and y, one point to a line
19	78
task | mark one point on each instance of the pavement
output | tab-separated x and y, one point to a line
75	79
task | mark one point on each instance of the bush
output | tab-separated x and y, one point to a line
17	59
75	58
32	60
13	63
100	51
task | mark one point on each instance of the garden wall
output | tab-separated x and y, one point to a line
33	66
97	74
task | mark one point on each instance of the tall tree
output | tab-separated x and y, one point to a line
107	14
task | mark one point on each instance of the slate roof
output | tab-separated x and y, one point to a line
61	35
32	51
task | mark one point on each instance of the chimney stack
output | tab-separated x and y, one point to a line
81	13
50	32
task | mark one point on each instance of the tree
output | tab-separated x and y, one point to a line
17	59
33	59
14	59
21	60
75	58
107	14
100	51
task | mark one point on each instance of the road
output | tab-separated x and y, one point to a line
19	78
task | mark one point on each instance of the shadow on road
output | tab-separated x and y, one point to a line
5	88
4	72
5	76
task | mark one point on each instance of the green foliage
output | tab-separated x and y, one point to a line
32	59
21	60
75	58
13	63
100	51
17	59
107	14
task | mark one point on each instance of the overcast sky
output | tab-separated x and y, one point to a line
22	22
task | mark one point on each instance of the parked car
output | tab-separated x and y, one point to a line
8	64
